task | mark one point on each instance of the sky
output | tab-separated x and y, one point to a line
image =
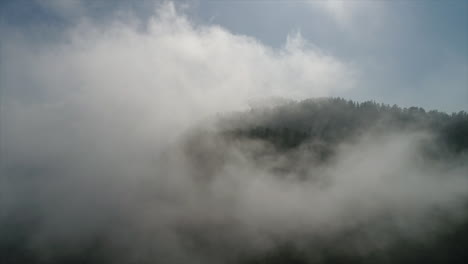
410	53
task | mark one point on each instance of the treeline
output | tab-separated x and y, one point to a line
334	120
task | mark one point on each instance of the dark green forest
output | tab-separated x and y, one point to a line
317	127
334	120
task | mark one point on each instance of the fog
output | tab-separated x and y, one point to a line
108	135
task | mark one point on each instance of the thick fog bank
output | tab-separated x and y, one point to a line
111	154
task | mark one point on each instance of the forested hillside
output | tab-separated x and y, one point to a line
336	120
324	181
319	126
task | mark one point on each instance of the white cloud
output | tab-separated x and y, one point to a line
148	69
89	125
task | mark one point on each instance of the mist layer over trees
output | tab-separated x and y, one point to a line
317	181
129	141
335	120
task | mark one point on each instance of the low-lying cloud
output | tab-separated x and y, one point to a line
99	140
